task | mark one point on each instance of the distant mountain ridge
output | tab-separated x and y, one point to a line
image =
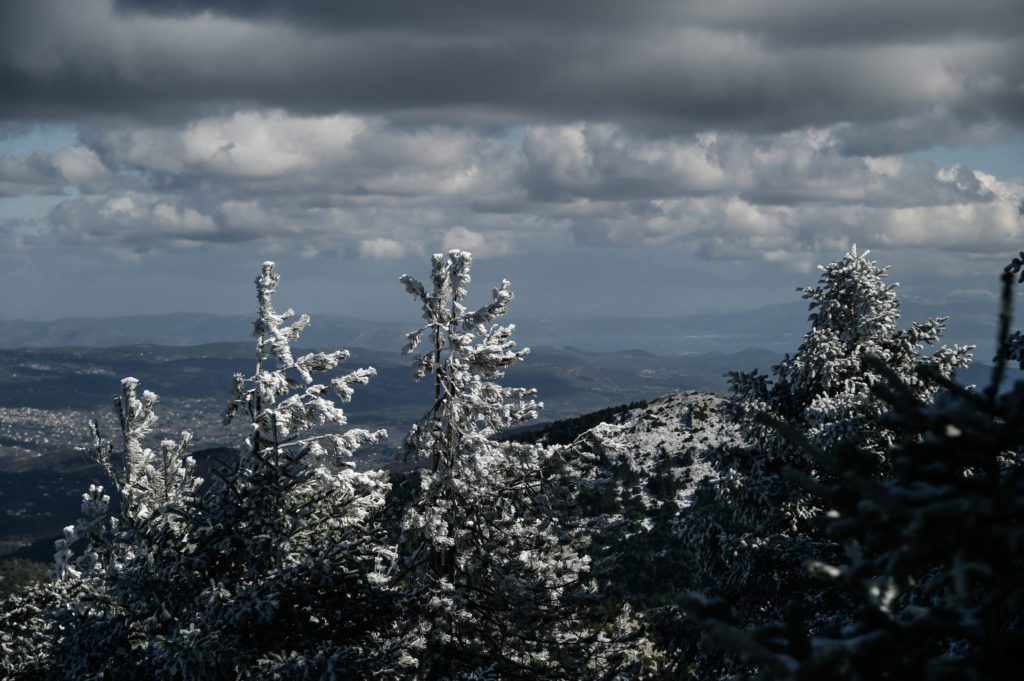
779	328
180	329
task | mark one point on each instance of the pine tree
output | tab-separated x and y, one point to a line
29	632
932	537
750	530
275	568
88	612
503	574
148	484
287	543
284	444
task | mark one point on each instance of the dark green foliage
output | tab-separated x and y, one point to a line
640	560
278	566
225	602
866	531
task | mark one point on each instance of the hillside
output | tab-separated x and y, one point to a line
648	438
647	462
668	435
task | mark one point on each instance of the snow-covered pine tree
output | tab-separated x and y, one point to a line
501	569
89	611
824	388
283	443
291	556
148	483
70	626
29	631
274	569
750	530
933	543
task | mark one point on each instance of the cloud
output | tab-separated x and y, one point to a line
269	151
602	161
247	144
42	173
133	219
587	145
81	166
756	130
19	235
791	21
984	219
480	245
29	174
381	248
664	67
920	130
374	189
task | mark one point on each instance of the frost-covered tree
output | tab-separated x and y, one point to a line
279	419
284	442
148	484
824	389
273	569
290	556
932	538
465	402
148	480
750	531
502	570
91	609
29	631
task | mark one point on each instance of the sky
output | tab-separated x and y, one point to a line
634	159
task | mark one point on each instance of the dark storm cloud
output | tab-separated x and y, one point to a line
749	130
665	67
782	21
400	14
919	131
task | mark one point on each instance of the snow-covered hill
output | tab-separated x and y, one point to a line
657	452
639	472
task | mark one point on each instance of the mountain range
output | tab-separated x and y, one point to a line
778	328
